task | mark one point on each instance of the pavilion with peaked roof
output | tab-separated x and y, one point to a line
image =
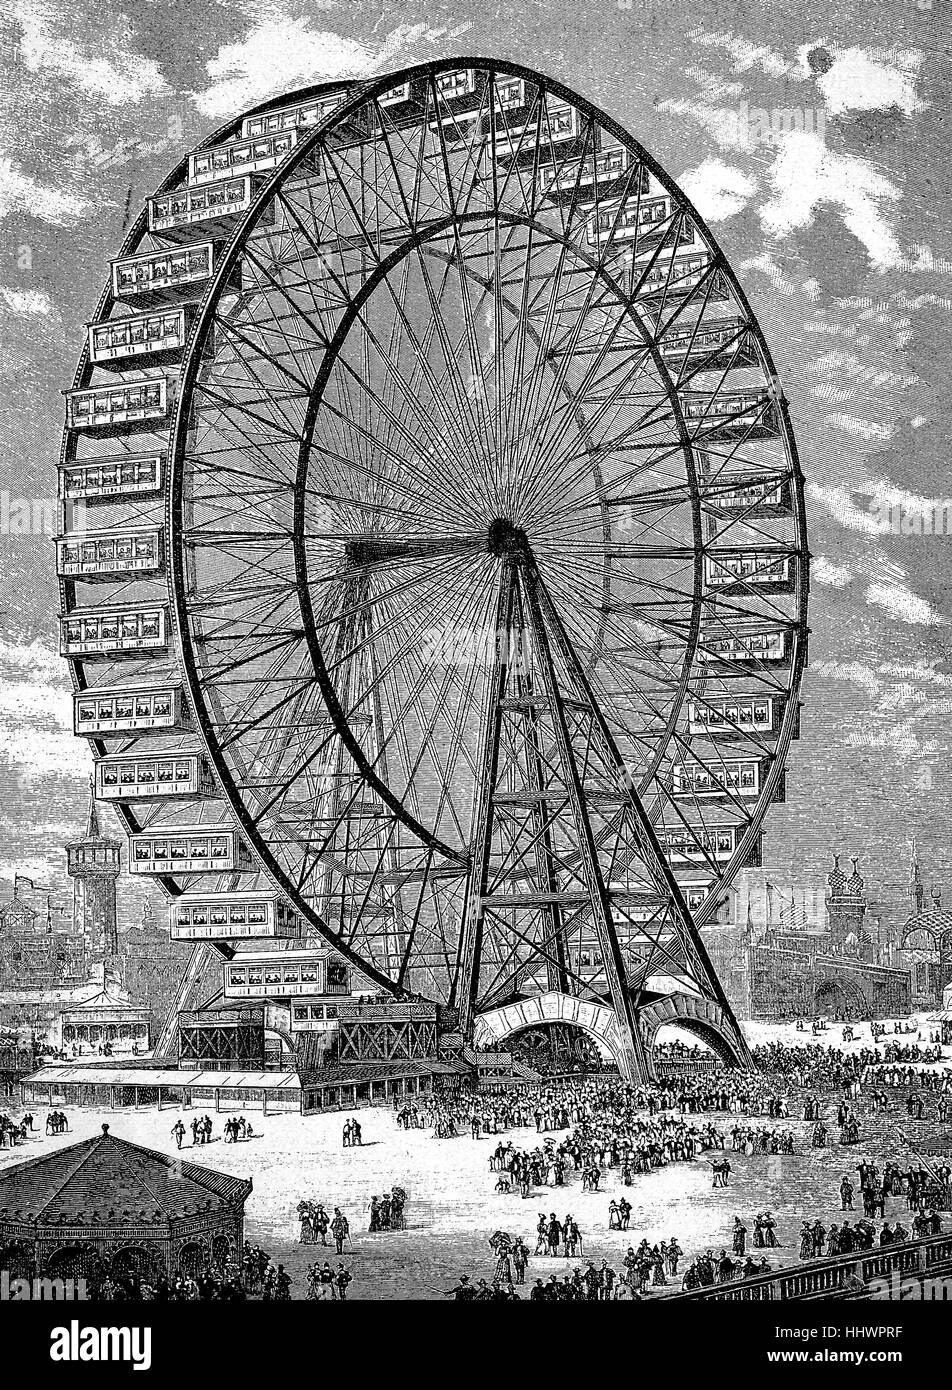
108	1207
107	1019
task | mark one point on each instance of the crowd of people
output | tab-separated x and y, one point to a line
14	1132
328	1284
386	1212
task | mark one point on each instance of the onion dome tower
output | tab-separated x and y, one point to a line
846	906
94	864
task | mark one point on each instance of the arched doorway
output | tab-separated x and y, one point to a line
17	1260
221	1249
556	1049
193	1260
840	1000
698	1018
76	1262
135	1264
496	1027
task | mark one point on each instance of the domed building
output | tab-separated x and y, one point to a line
107	1207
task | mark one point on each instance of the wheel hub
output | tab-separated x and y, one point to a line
506	540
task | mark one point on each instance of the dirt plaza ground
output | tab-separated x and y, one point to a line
452	1206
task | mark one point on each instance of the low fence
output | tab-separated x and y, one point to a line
857	1275
668	1068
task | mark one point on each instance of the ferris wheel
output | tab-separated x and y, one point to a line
441	592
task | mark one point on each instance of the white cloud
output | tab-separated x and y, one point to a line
107	70
36	658
281	51
839	502
766	264
19	193
824	571
901	603
744	54
855	672
277	54
862	429
806	175
869	80
924	260
27	302
718	190
724	124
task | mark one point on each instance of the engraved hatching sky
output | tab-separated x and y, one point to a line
840	233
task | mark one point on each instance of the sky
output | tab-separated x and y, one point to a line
812	136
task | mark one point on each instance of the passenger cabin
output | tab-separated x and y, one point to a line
730	414
737	717
106	555
147	777
706	346
749	492
605	173
143	403
238	157
672	278
232	916
161	277
458	104
114	631
646	221
741	571
106	479
285	975
128	710
212	208
713	844
745	647
306	113
180	849
728	780
139	338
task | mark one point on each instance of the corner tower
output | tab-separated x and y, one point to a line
94	863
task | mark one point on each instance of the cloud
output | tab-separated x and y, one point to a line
281	51
27	302
36	728
903	697
766	265
863	429
855	672
19	193
107	70
718	190
824	571
838	500
901	603
744	54
724	124
806	175
869	80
